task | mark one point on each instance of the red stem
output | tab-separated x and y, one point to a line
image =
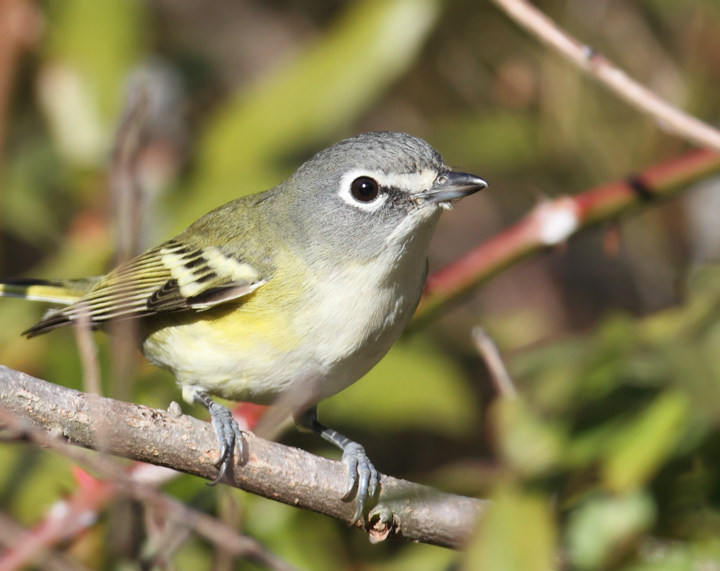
529	235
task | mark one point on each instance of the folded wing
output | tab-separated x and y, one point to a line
172	277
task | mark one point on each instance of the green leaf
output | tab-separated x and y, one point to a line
517	534
528	443
603	524
29	180
91	48
35	481
102	40
641	447
306	540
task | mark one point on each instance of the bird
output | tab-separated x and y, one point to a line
293	293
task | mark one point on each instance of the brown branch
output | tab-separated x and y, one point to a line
405	510
553	222
667	116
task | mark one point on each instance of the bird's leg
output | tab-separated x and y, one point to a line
361	473
227	430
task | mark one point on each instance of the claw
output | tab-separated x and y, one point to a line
221	474
351	460
359	510
228	434
374	482
362	476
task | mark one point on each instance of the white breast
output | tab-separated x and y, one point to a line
360	311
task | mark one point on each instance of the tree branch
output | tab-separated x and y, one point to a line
405	510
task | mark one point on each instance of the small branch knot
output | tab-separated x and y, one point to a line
382	523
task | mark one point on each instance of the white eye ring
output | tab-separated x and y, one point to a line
347	183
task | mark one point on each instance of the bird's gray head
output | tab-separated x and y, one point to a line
374	191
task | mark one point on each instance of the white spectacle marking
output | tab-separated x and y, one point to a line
412	183
556	220
346	191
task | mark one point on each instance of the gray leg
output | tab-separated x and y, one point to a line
227	430
361	473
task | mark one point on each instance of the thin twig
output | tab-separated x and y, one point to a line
91	370
145	153
88	351
127	194
667	116
494	362
553	222
405	510
165	536
124	177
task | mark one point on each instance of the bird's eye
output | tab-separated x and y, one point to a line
364	189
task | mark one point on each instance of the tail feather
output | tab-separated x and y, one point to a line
53	320
64	292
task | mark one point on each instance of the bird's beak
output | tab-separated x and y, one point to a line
453	185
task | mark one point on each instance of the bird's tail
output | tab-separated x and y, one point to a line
63	292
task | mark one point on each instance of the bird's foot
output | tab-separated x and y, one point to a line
362	476
228	434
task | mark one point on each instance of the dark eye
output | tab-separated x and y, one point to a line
364	189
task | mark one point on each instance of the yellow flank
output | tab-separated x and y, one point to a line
230	349
252	325
249	322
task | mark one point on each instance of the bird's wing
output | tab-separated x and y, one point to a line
172	277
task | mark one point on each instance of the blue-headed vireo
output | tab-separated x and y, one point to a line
299	290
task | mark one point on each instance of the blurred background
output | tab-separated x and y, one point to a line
121	121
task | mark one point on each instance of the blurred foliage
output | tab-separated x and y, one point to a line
517	533
609	459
